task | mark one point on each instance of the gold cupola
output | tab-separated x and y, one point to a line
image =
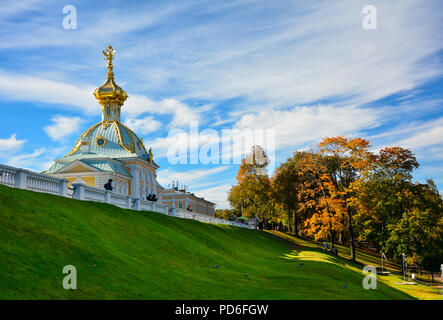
110	96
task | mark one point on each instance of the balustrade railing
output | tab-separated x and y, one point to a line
7	175
28	180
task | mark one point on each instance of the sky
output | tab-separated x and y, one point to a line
301	70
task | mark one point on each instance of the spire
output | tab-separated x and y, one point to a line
110	95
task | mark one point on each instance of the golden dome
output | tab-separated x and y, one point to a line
110	93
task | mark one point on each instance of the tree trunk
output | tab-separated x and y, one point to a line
351	235
332	238
294	223
290	228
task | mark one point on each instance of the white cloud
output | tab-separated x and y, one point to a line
36	89
300	125
62	127
429	134
424	138
11	144
38	160
179	138
298	54
144	125
165	176
182	114
218	195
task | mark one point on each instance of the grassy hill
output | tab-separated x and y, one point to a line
124	254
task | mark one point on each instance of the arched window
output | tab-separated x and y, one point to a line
108	111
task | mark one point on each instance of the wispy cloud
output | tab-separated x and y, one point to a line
27	160
218	195
427	135
189	177
30	88
299	55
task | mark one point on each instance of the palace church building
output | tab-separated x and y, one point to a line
110	150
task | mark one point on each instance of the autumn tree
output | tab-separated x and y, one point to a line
251	195
318	195
225	213
348	160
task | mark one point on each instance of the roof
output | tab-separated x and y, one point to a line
118	141
100	165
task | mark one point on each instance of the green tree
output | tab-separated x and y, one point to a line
285	187
418	233
383	194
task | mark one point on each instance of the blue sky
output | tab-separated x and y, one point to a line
305	69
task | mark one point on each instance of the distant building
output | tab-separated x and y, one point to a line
182	199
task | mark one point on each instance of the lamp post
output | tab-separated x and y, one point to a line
383	257
404	266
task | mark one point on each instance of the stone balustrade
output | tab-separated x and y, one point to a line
83	192
204	218
28	180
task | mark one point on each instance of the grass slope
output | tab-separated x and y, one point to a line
124	254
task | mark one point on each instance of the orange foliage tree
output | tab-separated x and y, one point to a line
350	160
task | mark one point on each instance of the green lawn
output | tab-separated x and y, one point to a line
124	254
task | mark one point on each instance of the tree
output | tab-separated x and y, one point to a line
383	194
319	197
285	188
224	213
348	160
252	194
418	233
